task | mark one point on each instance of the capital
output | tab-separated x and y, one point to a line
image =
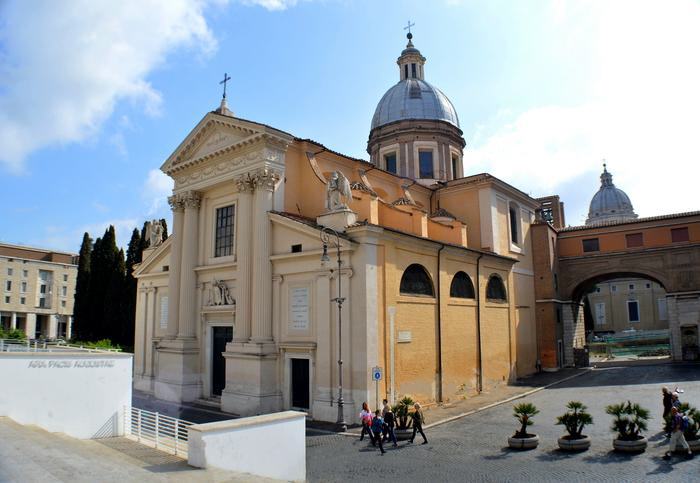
176	203
266	178
245	183
191	199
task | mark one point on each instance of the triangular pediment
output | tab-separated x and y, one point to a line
216	134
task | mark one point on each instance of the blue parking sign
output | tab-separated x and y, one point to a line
376	373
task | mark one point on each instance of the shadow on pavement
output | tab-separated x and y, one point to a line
670	374
506	452
610	457
156	461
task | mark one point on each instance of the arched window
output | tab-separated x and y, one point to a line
416	281
462	286
495	290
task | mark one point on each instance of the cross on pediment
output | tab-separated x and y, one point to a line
226	79
408	27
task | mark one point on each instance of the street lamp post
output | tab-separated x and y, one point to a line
327	235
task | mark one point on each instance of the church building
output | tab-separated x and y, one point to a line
287	256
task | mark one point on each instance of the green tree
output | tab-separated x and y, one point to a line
133	257
81	314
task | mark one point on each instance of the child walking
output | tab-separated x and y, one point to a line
377	427
366	419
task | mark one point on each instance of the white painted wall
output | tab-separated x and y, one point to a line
271	445
80	394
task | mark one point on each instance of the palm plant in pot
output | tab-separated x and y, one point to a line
574	420
629	420
402	414
524	412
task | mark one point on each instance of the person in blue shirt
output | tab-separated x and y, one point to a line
377	427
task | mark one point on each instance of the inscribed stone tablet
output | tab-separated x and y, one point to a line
299	308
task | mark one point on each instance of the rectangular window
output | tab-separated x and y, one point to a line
455	167
633	310
597	289
631	286
224	231
390	162
405	71
65	277
425	164
634	240
25	273
591	245
513	225
23	287
413	71
600	313
22	300
679	234
613	288
63	303
8	285
7	299
42	289
663	310
42	303
9	272
648	285
64	291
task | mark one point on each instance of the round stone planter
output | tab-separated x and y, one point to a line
524	443
637	446
581	444
694	445
403	434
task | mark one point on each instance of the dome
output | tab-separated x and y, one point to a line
413	98
609	204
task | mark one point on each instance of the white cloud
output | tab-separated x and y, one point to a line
271	4
156	189
69	239
66	64
641	115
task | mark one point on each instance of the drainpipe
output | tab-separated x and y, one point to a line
479	377
439	327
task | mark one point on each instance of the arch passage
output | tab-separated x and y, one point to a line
416	281
462	286
496	290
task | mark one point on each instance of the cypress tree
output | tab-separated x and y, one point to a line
81	308
133	257
95	293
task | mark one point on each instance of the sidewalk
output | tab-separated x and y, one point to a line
436	414
29	454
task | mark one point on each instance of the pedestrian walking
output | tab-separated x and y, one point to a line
366	420
389	424
418	421
385	408
377	429
667	401
677	436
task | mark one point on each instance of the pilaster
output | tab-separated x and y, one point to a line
244	259
178	208
187	316
13	321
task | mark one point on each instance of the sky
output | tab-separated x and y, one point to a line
94	96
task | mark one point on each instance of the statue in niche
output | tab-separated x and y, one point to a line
338	192
220	294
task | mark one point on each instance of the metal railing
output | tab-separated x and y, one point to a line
26	345
157	430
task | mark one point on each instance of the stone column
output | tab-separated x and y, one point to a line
69	327
244	258
140	340
30	325
178	207
13	321
53	327
149	321
187	316
265	181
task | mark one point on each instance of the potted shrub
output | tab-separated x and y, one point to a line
574	420
524	412
402	411
629	422
691	432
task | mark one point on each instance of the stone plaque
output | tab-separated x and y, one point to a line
299	308
164	312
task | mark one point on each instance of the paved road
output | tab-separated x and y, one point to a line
475	448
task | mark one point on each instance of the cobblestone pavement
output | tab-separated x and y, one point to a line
474	448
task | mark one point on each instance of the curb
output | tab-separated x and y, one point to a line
483	408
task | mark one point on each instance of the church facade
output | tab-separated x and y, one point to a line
437	276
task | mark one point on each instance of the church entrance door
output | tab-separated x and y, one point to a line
219	337
300	383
